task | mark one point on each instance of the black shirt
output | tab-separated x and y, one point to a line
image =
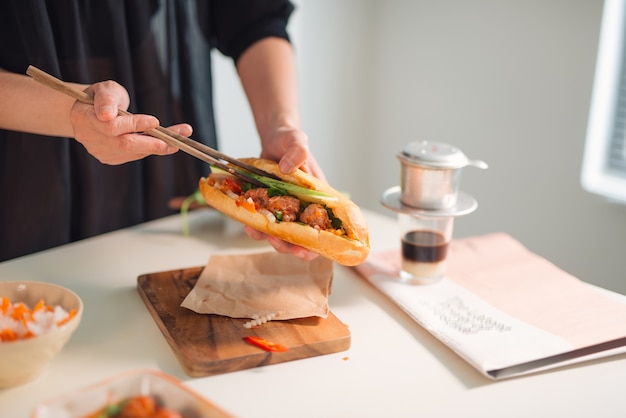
51	190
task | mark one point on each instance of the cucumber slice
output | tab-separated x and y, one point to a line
302	193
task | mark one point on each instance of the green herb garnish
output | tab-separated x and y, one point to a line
195	197
334	221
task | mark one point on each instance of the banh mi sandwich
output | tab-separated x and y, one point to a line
298	208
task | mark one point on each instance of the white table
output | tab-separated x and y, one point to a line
394	368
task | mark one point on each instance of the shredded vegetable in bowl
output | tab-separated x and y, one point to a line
19	321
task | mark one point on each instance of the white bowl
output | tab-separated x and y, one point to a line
167	390
23	360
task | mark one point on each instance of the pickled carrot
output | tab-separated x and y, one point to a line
18	321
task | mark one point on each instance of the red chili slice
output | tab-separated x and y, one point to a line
233	185
264	344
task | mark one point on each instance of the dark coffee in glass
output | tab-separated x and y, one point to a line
424	243
424	246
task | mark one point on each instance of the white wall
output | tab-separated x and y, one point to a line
507	81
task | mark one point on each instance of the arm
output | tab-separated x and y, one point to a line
28	106
268	74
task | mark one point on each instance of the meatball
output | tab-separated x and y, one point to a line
316	216
259	197
288	207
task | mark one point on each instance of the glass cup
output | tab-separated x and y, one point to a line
425	243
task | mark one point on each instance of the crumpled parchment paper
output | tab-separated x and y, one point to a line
260	284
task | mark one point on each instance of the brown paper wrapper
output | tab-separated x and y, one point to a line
262	284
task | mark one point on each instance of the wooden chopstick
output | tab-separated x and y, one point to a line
188	145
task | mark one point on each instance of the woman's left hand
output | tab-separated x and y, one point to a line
288	146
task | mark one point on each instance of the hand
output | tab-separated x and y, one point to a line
281	246
114	139
289	146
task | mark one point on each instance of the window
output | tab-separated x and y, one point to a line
604	161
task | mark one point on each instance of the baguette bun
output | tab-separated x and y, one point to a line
350	249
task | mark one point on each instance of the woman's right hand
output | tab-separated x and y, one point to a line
117	139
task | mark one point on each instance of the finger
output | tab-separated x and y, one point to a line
303	254
108	97
294	157
254	233
183	129
309	165
144	145
130	124
285	247
315	169
281	246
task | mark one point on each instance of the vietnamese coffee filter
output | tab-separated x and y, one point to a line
430	174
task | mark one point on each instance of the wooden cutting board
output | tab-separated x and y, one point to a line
208	344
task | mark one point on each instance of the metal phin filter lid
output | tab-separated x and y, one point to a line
429	182
436	155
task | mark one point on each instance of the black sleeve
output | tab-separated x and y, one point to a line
233	25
